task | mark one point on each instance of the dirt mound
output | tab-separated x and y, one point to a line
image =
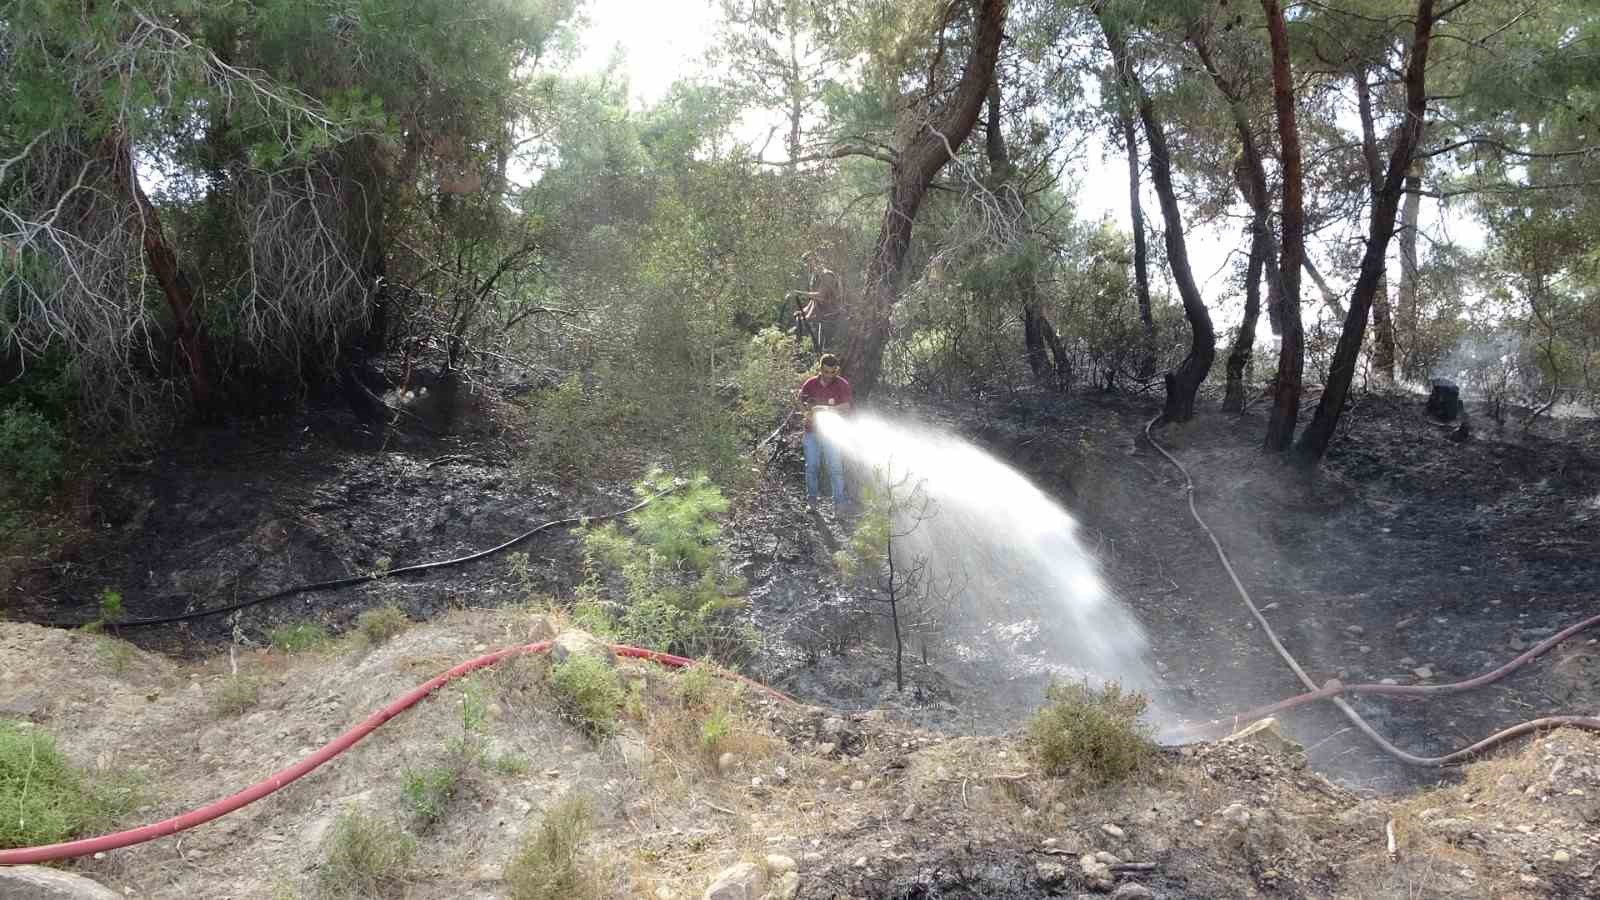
866	806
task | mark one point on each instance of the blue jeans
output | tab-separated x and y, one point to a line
816	449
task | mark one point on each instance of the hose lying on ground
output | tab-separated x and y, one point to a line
1332	691
353	580
283	778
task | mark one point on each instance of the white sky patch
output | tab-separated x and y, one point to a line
662	41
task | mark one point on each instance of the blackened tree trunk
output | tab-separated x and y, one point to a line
1141	252
1313	444
1291	349
1183	383
1410	288
916	163
1383	349
1250	176
1038	335
176	286
1244	341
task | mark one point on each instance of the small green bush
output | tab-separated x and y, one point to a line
428	792
299	636
377	626
43	799
550	863
590	692
714	729
366	858
695	684
1090	734
33	450
768	379
238	695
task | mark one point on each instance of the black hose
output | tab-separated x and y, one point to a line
338	583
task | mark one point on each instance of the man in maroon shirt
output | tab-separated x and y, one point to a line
826	393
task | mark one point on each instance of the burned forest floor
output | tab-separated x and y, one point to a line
1407	556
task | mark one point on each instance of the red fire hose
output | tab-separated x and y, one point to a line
344	742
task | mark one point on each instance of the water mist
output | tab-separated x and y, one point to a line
1003	548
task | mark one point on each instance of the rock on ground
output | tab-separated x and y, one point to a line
40	883
573	642
744	881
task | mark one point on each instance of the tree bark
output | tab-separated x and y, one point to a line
1037	332
1250	176
176	286
1328	296
916	163
1182	383
1141	253
1291	349
1383	350
1244	341
1410	288
1313	444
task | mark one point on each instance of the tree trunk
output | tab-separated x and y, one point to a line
1291	349
1318	435
1410	208
1182	383
1244	341
1141	253
1037	332
175	283
1328	296
1250	176
916	163
1383	350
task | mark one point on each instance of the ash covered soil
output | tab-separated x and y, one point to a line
1408	556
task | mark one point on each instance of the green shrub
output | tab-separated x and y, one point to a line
299	636
569	429
714	729
236	696
377	626
672	571
366	858
550	863
590	693
43	799
33	450
768	379
695	684
511	764
428	792
1093	735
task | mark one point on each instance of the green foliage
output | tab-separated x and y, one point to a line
33	450
671	571
590	693
511	765
366	858
695	685
237	695
299	636
570	430
715	729
767	382
43	799
550	864
428	792
377	626
1091	735
110	606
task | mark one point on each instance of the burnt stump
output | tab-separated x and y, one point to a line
1444	403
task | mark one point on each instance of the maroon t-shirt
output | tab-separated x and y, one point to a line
814	392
